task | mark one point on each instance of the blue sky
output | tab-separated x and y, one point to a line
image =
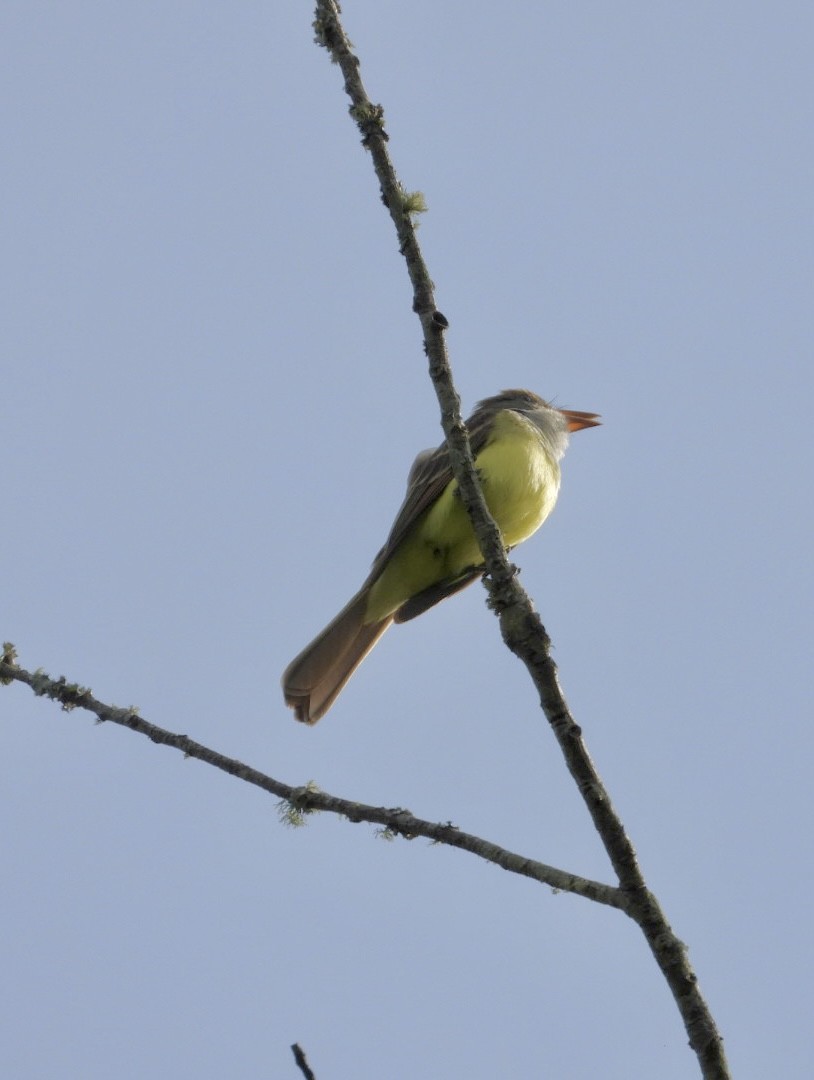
213	387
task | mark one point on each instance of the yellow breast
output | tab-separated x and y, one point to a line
520	481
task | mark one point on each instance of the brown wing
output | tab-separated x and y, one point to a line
429	475
417	605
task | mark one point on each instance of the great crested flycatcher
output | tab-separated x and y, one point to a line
517	441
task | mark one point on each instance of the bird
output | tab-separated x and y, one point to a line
517	440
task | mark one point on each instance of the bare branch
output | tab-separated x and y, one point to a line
302	1062
521	626
299	802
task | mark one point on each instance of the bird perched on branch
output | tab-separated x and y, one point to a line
517	442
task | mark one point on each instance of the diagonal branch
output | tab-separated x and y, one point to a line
521	626
302	1062
298	802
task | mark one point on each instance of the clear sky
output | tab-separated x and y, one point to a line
212	389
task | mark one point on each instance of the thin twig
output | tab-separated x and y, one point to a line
298	802
521	626
302	1062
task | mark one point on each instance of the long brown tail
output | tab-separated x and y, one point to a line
314	679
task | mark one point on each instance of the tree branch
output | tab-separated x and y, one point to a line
298	802
521	626
302	1062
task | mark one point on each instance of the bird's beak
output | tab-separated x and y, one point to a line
579	420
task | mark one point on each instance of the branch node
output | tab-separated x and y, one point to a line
296	808
9	658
